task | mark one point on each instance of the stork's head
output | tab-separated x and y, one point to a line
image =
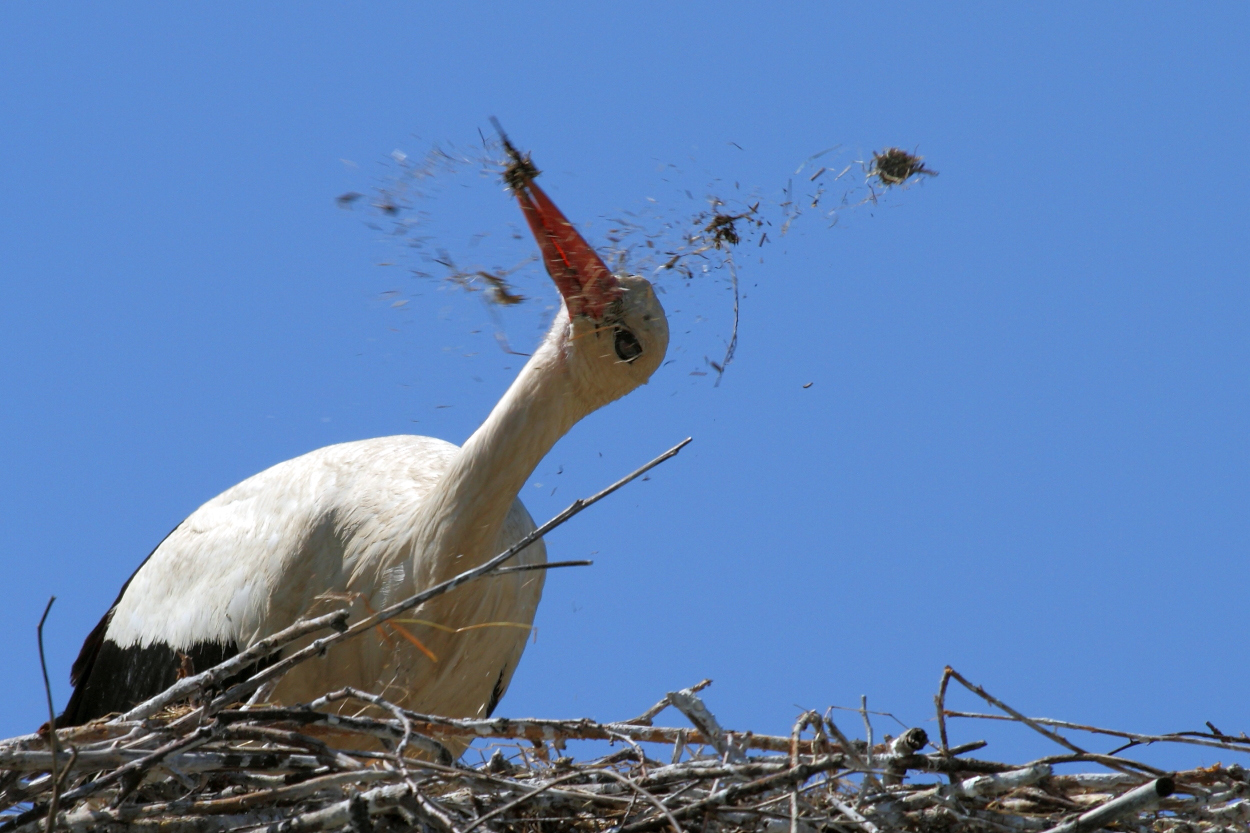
618	330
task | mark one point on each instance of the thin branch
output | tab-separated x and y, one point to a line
645	718
848	749
547	565
1134	801
940	701
428	745
1231	743
690	704
52	739
863	712
989	698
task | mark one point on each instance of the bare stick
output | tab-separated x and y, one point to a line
853	815
52	740
852	756
508	728
689	704
1133	801
426	744
238	803
645	718
268	734
940	701
192	762
1231	743
989	698
863	712
547	565
340	814
806	719
983	785
1120	764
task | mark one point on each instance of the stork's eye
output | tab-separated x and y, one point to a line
627	346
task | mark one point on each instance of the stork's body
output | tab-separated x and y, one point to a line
371	522
325	524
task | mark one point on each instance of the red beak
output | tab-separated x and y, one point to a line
578	271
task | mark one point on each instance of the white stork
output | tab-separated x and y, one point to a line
375	521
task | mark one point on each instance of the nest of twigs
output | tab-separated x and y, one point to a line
209	755
268	768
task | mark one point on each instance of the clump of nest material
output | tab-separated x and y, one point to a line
520	170
197	770
723	228
894	166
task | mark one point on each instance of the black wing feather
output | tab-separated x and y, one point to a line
108	678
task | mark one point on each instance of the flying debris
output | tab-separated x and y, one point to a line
692	236
894	166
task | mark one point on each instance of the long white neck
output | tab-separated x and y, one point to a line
459	523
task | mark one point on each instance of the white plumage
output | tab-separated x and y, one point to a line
328	525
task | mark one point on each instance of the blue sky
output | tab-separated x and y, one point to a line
1023	451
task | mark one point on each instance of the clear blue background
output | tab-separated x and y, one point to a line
1024	449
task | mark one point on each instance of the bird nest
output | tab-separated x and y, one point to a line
208	754
194	770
